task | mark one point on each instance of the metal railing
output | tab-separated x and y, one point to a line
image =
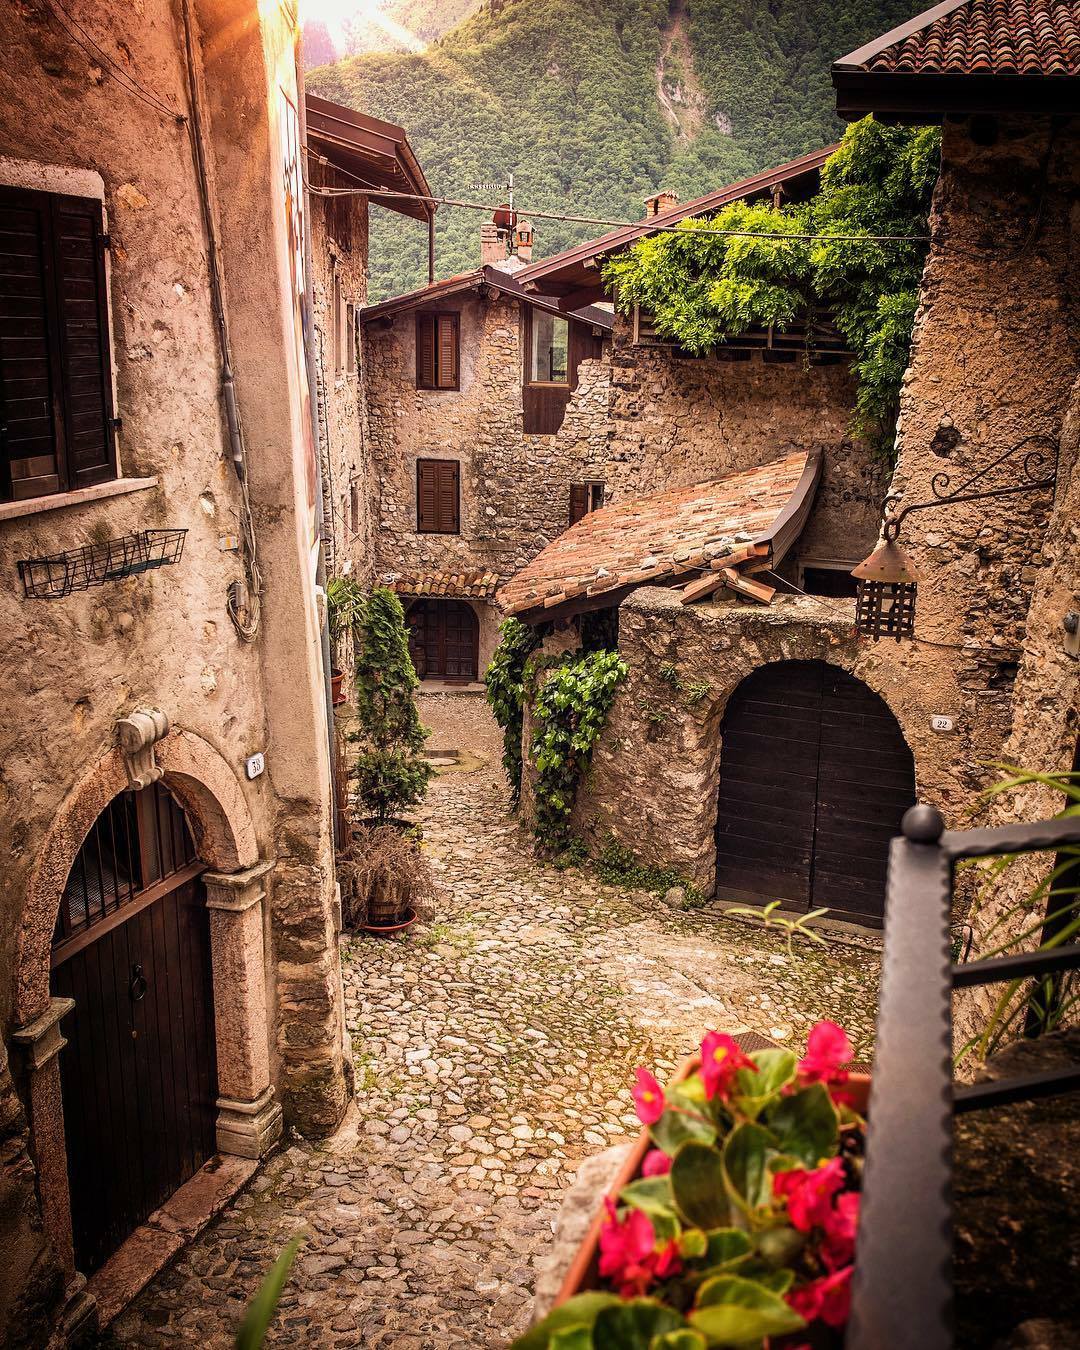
902	1293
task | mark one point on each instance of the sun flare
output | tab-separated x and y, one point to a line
340	16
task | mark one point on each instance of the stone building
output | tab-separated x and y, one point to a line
992	373
489	426
169	971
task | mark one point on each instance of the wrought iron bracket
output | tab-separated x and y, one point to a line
1038	470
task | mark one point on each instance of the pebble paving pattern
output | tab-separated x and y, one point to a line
493	1047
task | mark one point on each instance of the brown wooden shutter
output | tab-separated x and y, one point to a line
30	406
425	351
437	496
449	522
427	473
84	339
448	351
579	502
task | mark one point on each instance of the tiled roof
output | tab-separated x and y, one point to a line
653	538
478	585
473	281
981	37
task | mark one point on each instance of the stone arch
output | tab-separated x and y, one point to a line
221	824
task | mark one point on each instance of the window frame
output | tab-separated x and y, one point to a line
50	202
530	331
439	464
594	490
433	317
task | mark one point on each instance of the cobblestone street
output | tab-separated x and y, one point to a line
493	1049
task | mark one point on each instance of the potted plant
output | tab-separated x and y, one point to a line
344	605
386	882
733	1221
389	772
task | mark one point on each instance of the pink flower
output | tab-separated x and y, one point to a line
721	1060
827	1047
656	1163
809	1195
627	1252
648	1098
841	1222
827	1299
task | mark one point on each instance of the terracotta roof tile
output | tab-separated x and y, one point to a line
990	37
659	535
477	585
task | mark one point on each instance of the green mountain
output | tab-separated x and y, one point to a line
594	104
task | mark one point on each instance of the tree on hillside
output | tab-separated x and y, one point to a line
703	288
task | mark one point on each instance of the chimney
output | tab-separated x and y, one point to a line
660	201
492	245
523	240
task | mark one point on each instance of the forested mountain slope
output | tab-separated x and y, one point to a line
593	104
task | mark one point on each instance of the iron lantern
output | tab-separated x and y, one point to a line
885	604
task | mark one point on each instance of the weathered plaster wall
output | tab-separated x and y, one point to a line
514	488
678	421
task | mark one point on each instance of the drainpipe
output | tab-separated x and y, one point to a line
431	245
313	405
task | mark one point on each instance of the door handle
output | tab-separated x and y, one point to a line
138	986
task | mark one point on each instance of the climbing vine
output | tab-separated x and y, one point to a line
571	706
506	694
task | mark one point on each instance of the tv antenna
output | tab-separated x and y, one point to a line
506	185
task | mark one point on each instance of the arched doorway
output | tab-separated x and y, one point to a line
444	639
815	775
138	1075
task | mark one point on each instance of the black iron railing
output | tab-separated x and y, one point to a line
902	1293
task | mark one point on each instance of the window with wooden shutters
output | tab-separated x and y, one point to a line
585	497
438	359
437	496
56	417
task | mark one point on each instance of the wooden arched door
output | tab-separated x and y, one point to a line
444	639
138	1075
815	775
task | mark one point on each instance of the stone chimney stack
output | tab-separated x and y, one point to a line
660	201
492	245
523	240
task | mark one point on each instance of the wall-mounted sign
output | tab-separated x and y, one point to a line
941	723
255	765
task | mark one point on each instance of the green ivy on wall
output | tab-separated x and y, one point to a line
506	694
570	708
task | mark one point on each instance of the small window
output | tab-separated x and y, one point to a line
585	497
438	496
828	579
337	319
549	353
55	368
350	340
354	507
437	351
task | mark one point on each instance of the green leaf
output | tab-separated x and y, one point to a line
806	1125
746	1172
693	1244
580	1311
780	1246
727	1246
572	1338
685	1339
732	1311
689	1122
753	1091
633	1325
697	1182
261	1309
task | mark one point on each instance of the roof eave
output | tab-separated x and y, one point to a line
911	98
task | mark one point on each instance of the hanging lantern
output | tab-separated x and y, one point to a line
885	606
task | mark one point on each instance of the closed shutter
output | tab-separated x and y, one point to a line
55	380
425	351
579	502
437	496
448	351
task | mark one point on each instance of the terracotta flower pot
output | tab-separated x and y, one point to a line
583	1273
337	678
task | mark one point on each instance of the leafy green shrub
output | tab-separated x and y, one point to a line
345	602
572	703
506	694
619	866
389	771
704	288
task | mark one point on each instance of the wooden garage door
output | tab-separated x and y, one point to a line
444	639
814	778
138	1074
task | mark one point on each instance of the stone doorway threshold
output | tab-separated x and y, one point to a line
153	1244
449	687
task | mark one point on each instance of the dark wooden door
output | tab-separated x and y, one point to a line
138	1074
445	635
814	778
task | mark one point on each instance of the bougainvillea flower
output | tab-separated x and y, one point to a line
721	1060
827	1300
627	1252
841	1222
656	1163
648	1098
827	1047
809	1195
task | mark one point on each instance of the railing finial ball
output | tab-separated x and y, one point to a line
922	824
